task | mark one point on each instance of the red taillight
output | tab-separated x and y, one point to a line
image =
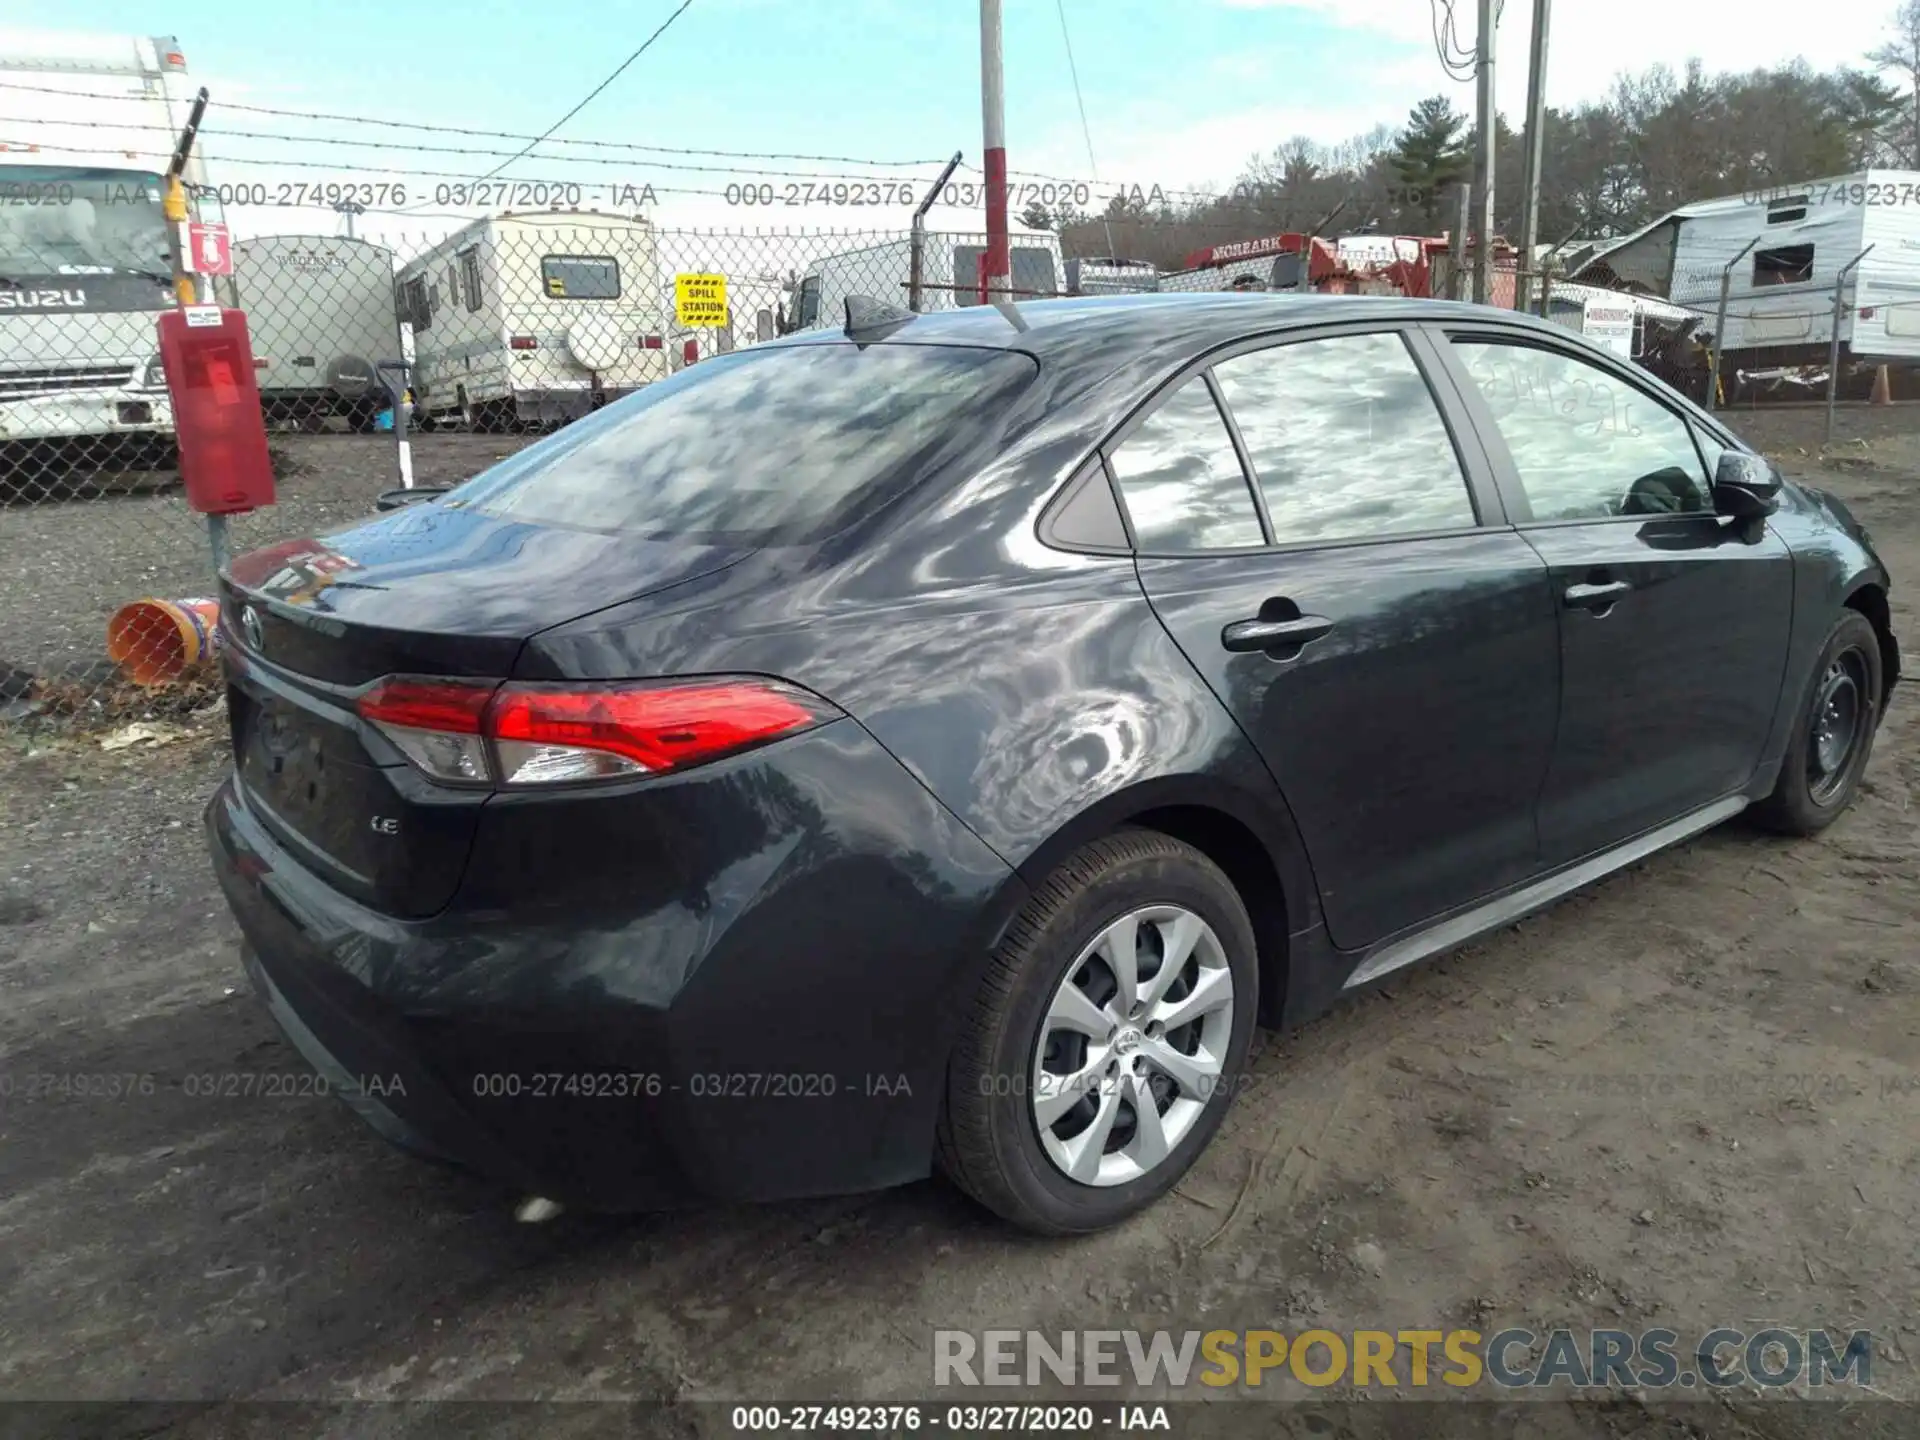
475	732
652	342
454	706
434	723
524	342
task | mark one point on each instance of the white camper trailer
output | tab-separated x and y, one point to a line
83	238
534	318
949	276
1780	299
320	313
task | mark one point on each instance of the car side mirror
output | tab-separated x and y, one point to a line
1745	486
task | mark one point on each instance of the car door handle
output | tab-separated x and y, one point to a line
1595	597
1274	634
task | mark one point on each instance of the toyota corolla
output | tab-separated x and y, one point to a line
938	742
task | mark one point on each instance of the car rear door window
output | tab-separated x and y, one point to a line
1586	444
1181	480
764	446
1345	440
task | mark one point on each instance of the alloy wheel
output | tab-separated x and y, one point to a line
1133	1045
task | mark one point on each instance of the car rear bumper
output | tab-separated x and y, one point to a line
772	1036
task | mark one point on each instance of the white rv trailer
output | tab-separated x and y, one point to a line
321	316
84	268
534	318
949	276
1781	294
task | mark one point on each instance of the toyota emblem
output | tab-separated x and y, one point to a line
250	627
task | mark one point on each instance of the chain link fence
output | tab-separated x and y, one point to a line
450	348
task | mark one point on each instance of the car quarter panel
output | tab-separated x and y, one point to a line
1030	690
1021	683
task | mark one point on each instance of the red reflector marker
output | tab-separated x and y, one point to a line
653	342
524	342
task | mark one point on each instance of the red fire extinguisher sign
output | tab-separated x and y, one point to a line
222	434
208	249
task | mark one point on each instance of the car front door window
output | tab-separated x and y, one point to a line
1585	444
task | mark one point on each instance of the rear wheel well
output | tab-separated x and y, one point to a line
1245	861
1871	601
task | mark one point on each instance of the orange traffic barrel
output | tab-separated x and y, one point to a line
155	642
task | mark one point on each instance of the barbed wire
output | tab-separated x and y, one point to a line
431	128
403	173
214	131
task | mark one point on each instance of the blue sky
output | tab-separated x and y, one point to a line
1179	93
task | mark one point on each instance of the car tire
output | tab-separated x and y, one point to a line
1817	784
990	1134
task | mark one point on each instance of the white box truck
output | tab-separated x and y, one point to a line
84	267
533	319
321	315
949	274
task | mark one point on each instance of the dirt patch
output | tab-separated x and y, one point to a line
1687	1097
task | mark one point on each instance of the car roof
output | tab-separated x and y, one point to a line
1058	330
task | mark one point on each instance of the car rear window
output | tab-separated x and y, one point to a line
781	445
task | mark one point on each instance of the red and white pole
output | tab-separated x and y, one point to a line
996	265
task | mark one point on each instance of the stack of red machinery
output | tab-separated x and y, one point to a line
1412	270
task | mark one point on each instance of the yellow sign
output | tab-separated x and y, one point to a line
700	300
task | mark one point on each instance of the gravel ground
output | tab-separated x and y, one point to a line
1453	1151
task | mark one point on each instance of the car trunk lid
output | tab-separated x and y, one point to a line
309	625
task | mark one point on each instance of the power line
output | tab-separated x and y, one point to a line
429	128
1080	100
644	47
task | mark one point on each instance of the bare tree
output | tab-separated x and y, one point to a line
1902	53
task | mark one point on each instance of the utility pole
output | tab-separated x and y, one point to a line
1535	143
1457	246
1483	161
996	264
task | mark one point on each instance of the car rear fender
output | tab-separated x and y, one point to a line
1252	837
